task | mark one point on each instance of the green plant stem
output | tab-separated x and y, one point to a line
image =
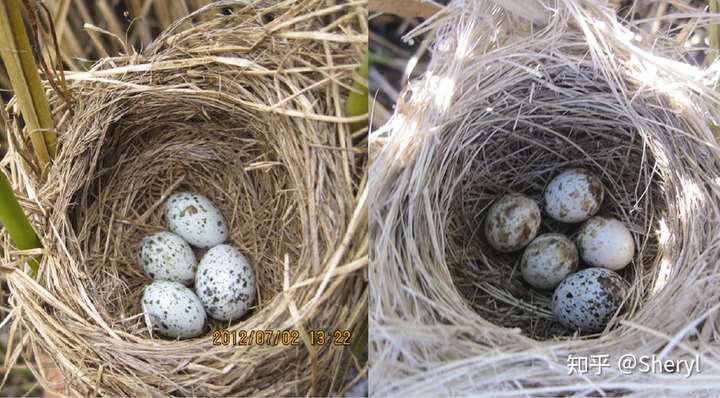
360	343
20	64
357	102
16	224
379	59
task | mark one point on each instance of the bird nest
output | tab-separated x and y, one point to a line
239	102
514	95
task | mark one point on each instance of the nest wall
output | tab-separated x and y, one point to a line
513	96
240	102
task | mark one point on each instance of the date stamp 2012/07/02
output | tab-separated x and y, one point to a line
287	337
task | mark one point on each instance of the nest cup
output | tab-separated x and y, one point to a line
237	102
500	153
507	104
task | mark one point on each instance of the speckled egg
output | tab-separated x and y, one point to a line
587	299
605	242
173	310
225	283
573	196
512	222
196	219
166	256
548	260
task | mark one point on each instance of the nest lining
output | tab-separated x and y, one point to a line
255	127
513	96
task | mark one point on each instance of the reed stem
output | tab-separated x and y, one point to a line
18	58
360	343
16	223
713	34
357	102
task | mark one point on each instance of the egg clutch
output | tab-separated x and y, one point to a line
224	283
583	300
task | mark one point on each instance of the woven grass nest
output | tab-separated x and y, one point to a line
242	102
515	93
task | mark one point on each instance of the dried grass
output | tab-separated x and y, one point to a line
244	109
515	93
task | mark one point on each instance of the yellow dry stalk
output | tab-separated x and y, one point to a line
713	33
20	64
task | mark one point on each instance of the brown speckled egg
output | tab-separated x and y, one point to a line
225	283
173	310
548	260
512	222
196	219
587	299
573	196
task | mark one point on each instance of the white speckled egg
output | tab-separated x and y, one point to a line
512	222
196	219
166	256
587	299
548	260
225	283
573	196
173	310
605	242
